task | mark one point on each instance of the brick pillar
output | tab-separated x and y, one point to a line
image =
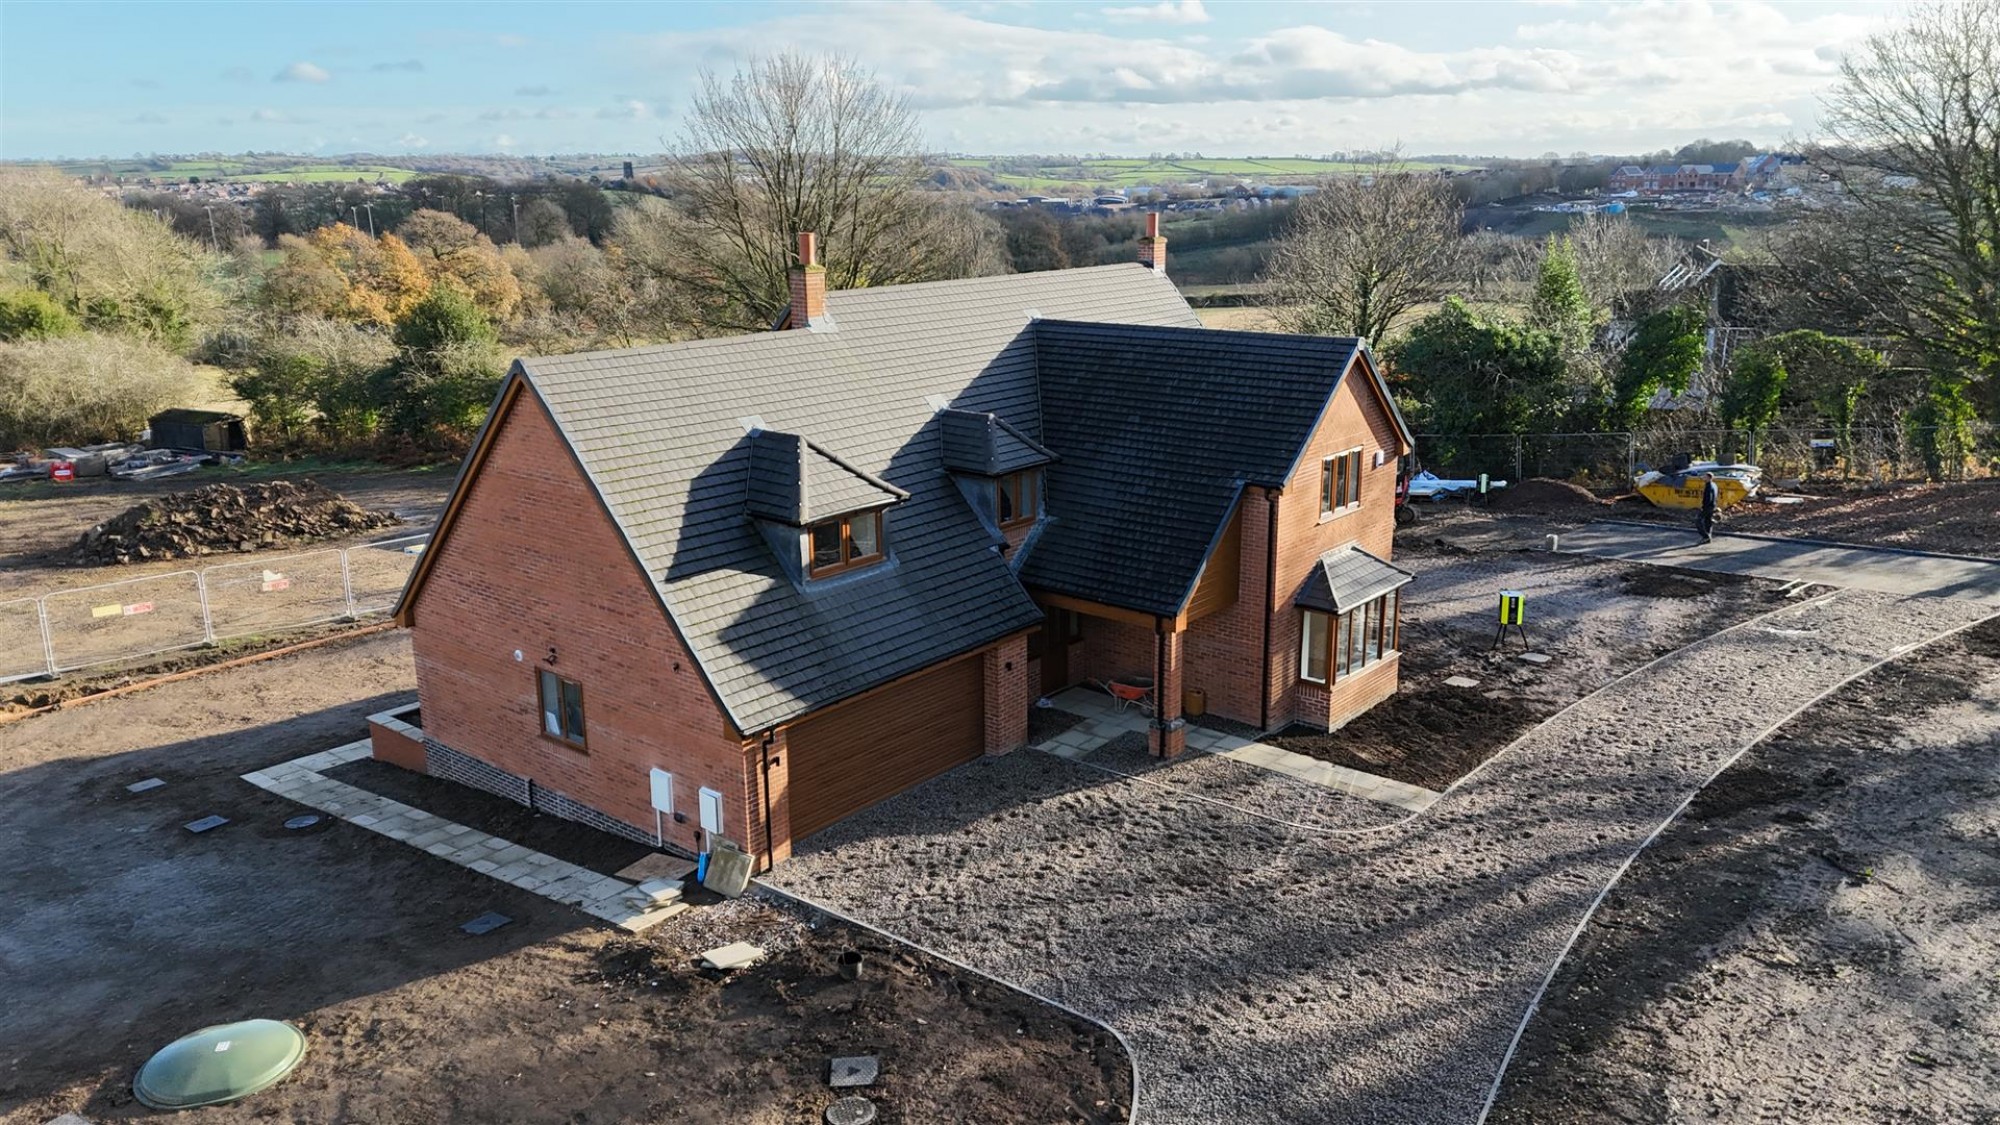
780	838
1153	246
1169	733
808	284
1006	669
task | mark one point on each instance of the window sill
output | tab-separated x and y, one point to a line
565	743
1348	510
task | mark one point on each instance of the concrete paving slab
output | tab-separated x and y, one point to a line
143	786
1832	564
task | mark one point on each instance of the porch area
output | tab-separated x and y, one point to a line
1103	719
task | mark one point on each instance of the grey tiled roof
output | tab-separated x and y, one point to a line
794	480
988	444
1348	577
1159	429
660	432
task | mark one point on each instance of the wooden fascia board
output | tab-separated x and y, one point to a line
1099	609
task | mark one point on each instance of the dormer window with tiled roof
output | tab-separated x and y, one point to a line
998	466
821	515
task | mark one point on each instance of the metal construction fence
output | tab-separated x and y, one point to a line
139	617
1610	459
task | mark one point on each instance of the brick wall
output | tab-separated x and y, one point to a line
1334	705
1008	694
533	563
1221	649
1356	418
1109	649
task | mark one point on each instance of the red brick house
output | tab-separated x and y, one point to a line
783	576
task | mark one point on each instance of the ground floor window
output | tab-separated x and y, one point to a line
1335	645
562	708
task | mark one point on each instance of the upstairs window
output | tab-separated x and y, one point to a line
562	708
845	543
1340	482
1020	498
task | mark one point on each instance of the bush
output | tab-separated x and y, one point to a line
30	314
445	373
82	389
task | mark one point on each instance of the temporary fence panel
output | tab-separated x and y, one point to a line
22	653
125	620
245	599
376	572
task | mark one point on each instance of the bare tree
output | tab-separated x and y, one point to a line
1902	242
1363	251
791	144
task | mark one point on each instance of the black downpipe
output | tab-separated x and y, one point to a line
1160	683
1270	597
770	847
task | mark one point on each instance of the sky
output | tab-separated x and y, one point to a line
1121	77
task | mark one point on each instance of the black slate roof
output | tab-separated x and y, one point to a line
1159	429
1347	578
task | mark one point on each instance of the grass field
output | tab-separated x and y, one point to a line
1027	175
236	170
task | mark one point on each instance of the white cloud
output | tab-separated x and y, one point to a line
1623	77
537	91
1166	11
407	66
301	72
411	140
628	108
503	141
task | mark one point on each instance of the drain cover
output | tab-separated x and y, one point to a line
219	1064
854	1070
143	786
850	1111
306	820
486	923
206	823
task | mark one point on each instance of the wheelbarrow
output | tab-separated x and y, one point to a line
1130	691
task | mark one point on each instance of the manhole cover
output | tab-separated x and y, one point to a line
850	1111
219	1064
306	820
206	823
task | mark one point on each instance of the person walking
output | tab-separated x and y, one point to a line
1711	499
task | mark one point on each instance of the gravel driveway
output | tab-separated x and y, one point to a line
1266	971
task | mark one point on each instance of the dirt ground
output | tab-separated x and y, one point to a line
40	522
1816	940
125	931
1595	619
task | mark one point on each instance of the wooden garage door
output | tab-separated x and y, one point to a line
879	745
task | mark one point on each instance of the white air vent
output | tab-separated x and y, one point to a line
752	424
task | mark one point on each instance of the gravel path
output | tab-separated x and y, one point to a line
1266	972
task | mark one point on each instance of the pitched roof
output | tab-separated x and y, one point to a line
1348	577
661	433
1159	429
977	442
794	481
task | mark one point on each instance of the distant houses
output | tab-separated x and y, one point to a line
1755	173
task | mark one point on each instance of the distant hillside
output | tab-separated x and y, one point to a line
1030	174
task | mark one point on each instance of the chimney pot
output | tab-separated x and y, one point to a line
808	248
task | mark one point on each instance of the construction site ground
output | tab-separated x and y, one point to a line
1254	964
41	521
125	931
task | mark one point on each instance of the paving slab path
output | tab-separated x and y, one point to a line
1265	971
1831	564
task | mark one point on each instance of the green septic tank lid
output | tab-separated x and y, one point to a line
219	1064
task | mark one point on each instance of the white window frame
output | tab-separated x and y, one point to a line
1306	646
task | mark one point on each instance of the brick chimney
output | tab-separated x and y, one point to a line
808	285
1153	247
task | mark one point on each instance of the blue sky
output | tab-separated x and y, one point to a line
1115	76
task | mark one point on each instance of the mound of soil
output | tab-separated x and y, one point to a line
223	517
1544	497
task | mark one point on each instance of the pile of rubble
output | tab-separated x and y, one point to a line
222	517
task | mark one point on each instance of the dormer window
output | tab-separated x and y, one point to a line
844	544
1019	497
